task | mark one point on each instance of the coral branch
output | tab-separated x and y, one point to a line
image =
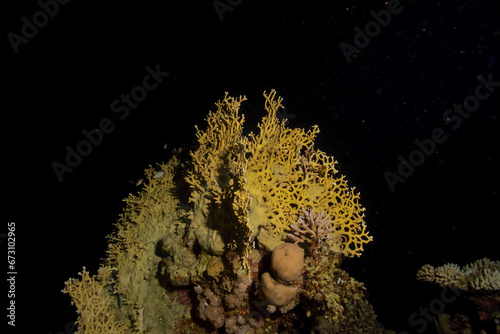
312	231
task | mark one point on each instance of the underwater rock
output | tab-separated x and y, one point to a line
179	265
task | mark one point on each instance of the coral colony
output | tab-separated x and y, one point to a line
246	234
479	285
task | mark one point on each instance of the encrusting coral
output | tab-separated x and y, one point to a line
479	283
205	245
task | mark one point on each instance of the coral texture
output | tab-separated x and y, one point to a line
287	261
330	293
210	306
478	283
195	249
315	232
258	185
94	303
276	294
483	274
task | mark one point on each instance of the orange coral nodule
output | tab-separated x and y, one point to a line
287	261
276	294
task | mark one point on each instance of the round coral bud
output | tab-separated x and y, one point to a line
287	261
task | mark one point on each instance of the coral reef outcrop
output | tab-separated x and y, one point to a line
226	239
277	294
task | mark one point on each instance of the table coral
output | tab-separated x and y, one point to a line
197	245
482	275
479	284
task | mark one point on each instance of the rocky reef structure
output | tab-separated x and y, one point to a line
226	239
478	284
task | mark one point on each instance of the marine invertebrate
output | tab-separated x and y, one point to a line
479	283
482	275
316	231
277	294
330	293
94	302
239	292
257	185
204	222
287	261
210	306
285	174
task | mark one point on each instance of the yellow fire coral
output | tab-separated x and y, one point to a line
266	179
482	275
217	182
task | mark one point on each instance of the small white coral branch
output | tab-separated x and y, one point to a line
309	229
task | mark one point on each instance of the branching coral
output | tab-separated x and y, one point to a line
255	186
332	294
216	179
210	306
479	283
316	232
309	228
286	174
482	275
94	303
239	293
209	220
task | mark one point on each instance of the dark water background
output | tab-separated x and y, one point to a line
370	111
